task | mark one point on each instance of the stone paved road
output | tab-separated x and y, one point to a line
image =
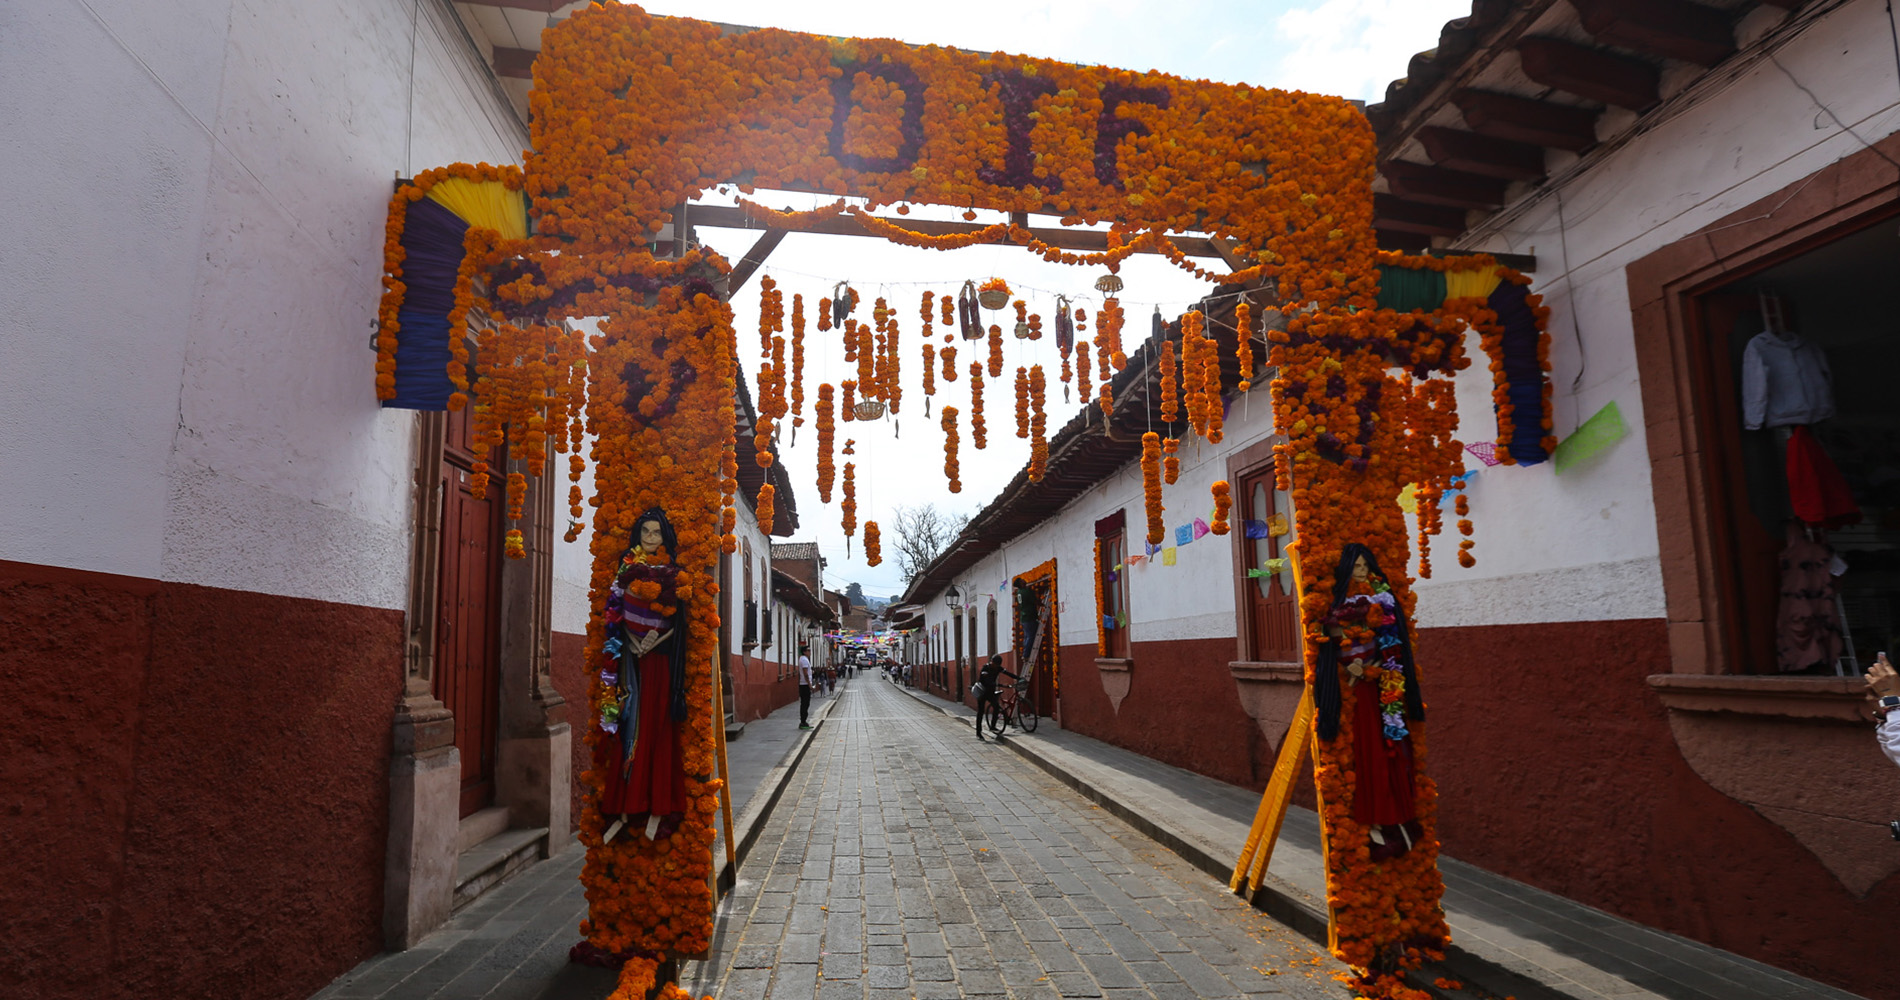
908	860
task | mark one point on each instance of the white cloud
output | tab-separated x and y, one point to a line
1354	48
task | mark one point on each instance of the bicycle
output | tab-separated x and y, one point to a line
1015	703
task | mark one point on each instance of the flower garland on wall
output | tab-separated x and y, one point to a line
1285	177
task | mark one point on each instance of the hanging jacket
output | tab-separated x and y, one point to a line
1785	381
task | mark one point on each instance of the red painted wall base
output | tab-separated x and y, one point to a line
1556	767
200	780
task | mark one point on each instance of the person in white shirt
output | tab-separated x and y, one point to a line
804	687
1884	685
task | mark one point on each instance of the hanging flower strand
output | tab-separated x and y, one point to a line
798	361
979	428
1038	425
873	547
826	429
949	423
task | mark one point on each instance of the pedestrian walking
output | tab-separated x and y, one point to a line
804	687
1883	684
987	694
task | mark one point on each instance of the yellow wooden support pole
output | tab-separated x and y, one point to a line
725	770
1279	793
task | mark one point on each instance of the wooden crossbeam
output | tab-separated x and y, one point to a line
1482	155
1391	212
1587	72
1673	29
742	271
1521	119
1080	240
539	6
1437	186
516	63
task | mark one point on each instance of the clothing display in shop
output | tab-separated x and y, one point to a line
1785	381
1816	487
1807	624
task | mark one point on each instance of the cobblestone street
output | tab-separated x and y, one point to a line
909	860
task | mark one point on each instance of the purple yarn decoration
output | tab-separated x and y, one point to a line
1110	127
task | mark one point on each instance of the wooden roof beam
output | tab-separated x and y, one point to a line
539	6
1390	212
1672	29
1082	240
1591	73
516	63
1521	119
1438	186
1482	155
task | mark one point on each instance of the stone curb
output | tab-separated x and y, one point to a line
749	822
1290	905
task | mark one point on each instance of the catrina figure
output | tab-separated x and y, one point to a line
1371	651
644	661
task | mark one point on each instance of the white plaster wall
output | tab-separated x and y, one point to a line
188	389
1583	546
1193	599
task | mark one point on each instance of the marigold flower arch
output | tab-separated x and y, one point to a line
635	115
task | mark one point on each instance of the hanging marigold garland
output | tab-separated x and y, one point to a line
1170	460
1084	389
979	427
798	361
996	351
1170	399
849	505
1223	503
1022	402
1038	425
1243	344
826	429
950	470
873	545
949	354
930	374
1108	333
764	507
848	400
1151	485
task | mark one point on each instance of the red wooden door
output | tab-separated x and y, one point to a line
1750	582
468	655
1273	620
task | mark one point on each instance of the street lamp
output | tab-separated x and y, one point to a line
953	599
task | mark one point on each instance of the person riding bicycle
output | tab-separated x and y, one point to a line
988	689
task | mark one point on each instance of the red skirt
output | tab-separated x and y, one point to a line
1382	793
652	780
1816	487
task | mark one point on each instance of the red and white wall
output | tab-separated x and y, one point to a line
205	567
1558	762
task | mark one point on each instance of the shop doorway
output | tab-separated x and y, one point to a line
468	654
1801	356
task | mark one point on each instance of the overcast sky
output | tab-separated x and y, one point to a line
1352	48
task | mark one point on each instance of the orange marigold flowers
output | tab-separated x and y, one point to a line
1243	344
764	507
826	428
979	428
1038	425
798	361
949	354
949	423
513	546
849	506
1108	333
1223	502
996	351
1022	402
930	374
873	547
1151	484
1170	400
1083	389
849	402
1170	460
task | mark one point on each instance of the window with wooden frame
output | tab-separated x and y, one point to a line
1111	586
992	627
1270	605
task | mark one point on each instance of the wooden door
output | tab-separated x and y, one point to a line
1741	465
468	626
1271	607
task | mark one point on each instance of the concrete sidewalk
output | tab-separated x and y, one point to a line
1509	938
512	943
